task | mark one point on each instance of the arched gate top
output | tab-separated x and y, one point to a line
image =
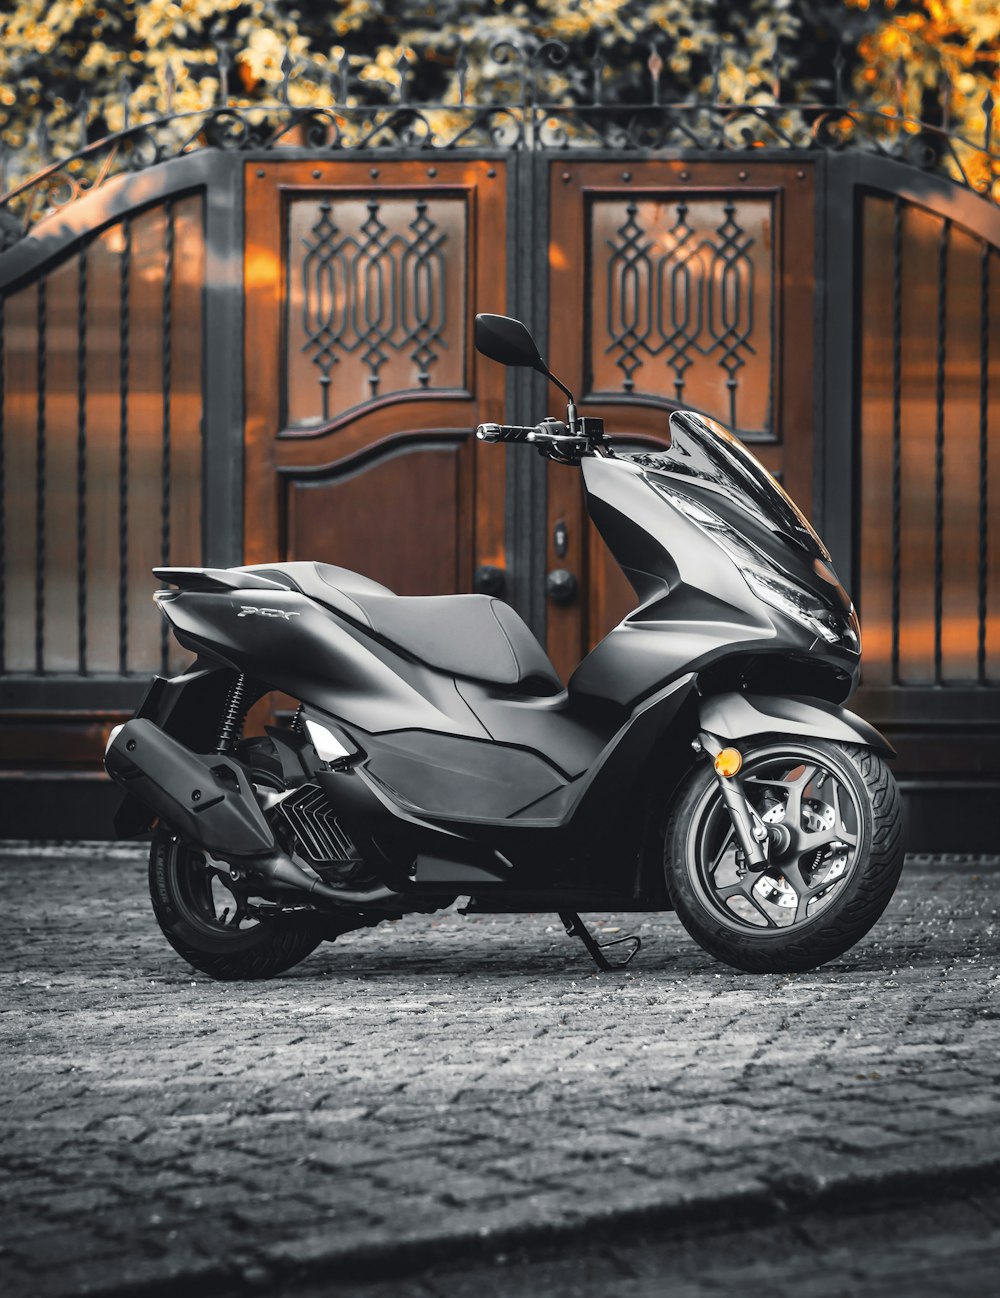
650	123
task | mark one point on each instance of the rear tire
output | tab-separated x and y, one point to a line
837	891
186	902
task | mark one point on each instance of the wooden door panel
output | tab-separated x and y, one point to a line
678	284
422	488
361	286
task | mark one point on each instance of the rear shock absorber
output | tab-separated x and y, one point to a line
240	700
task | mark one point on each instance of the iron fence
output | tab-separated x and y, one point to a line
91	441
123	290
607	115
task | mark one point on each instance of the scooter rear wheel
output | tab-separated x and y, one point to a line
209	923
835	853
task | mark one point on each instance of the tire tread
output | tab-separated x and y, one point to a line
849	922
282	943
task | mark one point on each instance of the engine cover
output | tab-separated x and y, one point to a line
318	836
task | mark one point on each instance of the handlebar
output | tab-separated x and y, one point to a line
544	434
504	433
552	437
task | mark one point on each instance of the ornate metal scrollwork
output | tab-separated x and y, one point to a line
598	113
692	297
374	293
730	301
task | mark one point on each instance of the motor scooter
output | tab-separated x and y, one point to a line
699	759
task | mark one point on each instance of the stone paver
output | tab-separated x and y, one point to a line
447	1083
909	1250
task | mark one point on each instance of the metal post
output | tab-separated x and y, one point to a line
839	334
527	273
222	440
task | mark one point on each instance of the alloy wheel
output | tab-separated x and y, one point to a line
210	900
813	817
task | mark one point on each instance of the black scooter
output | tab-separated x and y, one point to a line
699	760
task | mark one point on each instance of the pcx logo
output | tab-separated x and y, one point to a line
248	610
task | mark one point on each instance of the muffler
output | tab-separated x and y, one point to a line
208	800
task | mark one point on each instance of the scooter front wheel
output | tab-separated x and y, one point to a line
834	855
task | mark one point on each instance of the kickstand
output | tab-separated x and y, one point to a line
575	927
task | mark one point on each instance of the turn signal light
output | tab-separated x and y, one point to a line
728	762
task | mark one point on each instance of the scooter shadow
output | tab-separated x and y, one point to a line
550	956
540	948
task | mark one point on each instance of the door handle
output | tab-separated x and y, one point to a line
561	586
489	580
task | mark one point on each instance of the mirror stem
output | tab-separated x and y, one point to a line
570	403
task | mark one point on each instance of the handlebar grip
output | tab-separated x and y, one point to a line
503	433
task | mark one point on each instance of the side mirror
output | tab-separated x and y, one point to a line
507	341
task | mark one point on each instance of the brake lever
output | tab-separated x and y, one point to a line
565	441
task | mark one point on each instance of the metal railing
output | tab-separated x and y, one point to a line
521	117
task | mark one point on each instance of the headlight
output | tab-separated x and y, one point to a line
796	602
776	590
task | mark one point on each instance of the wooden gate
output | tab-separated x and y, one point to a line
244	333
911	478
676	283
363	389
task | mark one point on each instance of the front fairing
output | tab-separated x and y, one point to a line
706	464
664	516
705	455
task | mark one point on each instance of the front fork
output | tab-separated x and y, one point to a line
750	830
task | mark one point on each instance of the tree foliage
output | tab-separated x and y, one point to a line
67	68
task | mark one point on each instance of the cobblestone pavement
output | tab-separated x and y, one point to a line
906	1250
447	1085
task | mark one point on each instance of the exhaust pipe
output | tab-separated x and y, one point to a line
280	869
209	800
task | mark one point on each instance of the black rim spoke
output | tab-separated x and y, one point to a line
727	843
744	888
843	833
792	870
813	842
807	892
803	893
796	788
769	920
811	851
211	900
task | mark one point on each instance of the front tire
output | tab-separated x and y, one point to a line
207	920
835	854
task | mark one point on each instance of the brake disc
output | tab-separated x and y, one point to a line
832	858
779	892
817	815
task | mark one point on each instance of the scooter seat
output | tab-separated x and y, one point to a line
468	635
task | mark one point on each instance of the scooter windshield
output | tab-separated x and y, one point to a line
705	451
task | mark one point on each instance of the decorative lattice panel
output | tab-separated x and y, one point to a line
376	299
682	303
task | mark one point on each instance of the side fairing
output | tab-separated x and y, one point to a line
694	604
294	645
